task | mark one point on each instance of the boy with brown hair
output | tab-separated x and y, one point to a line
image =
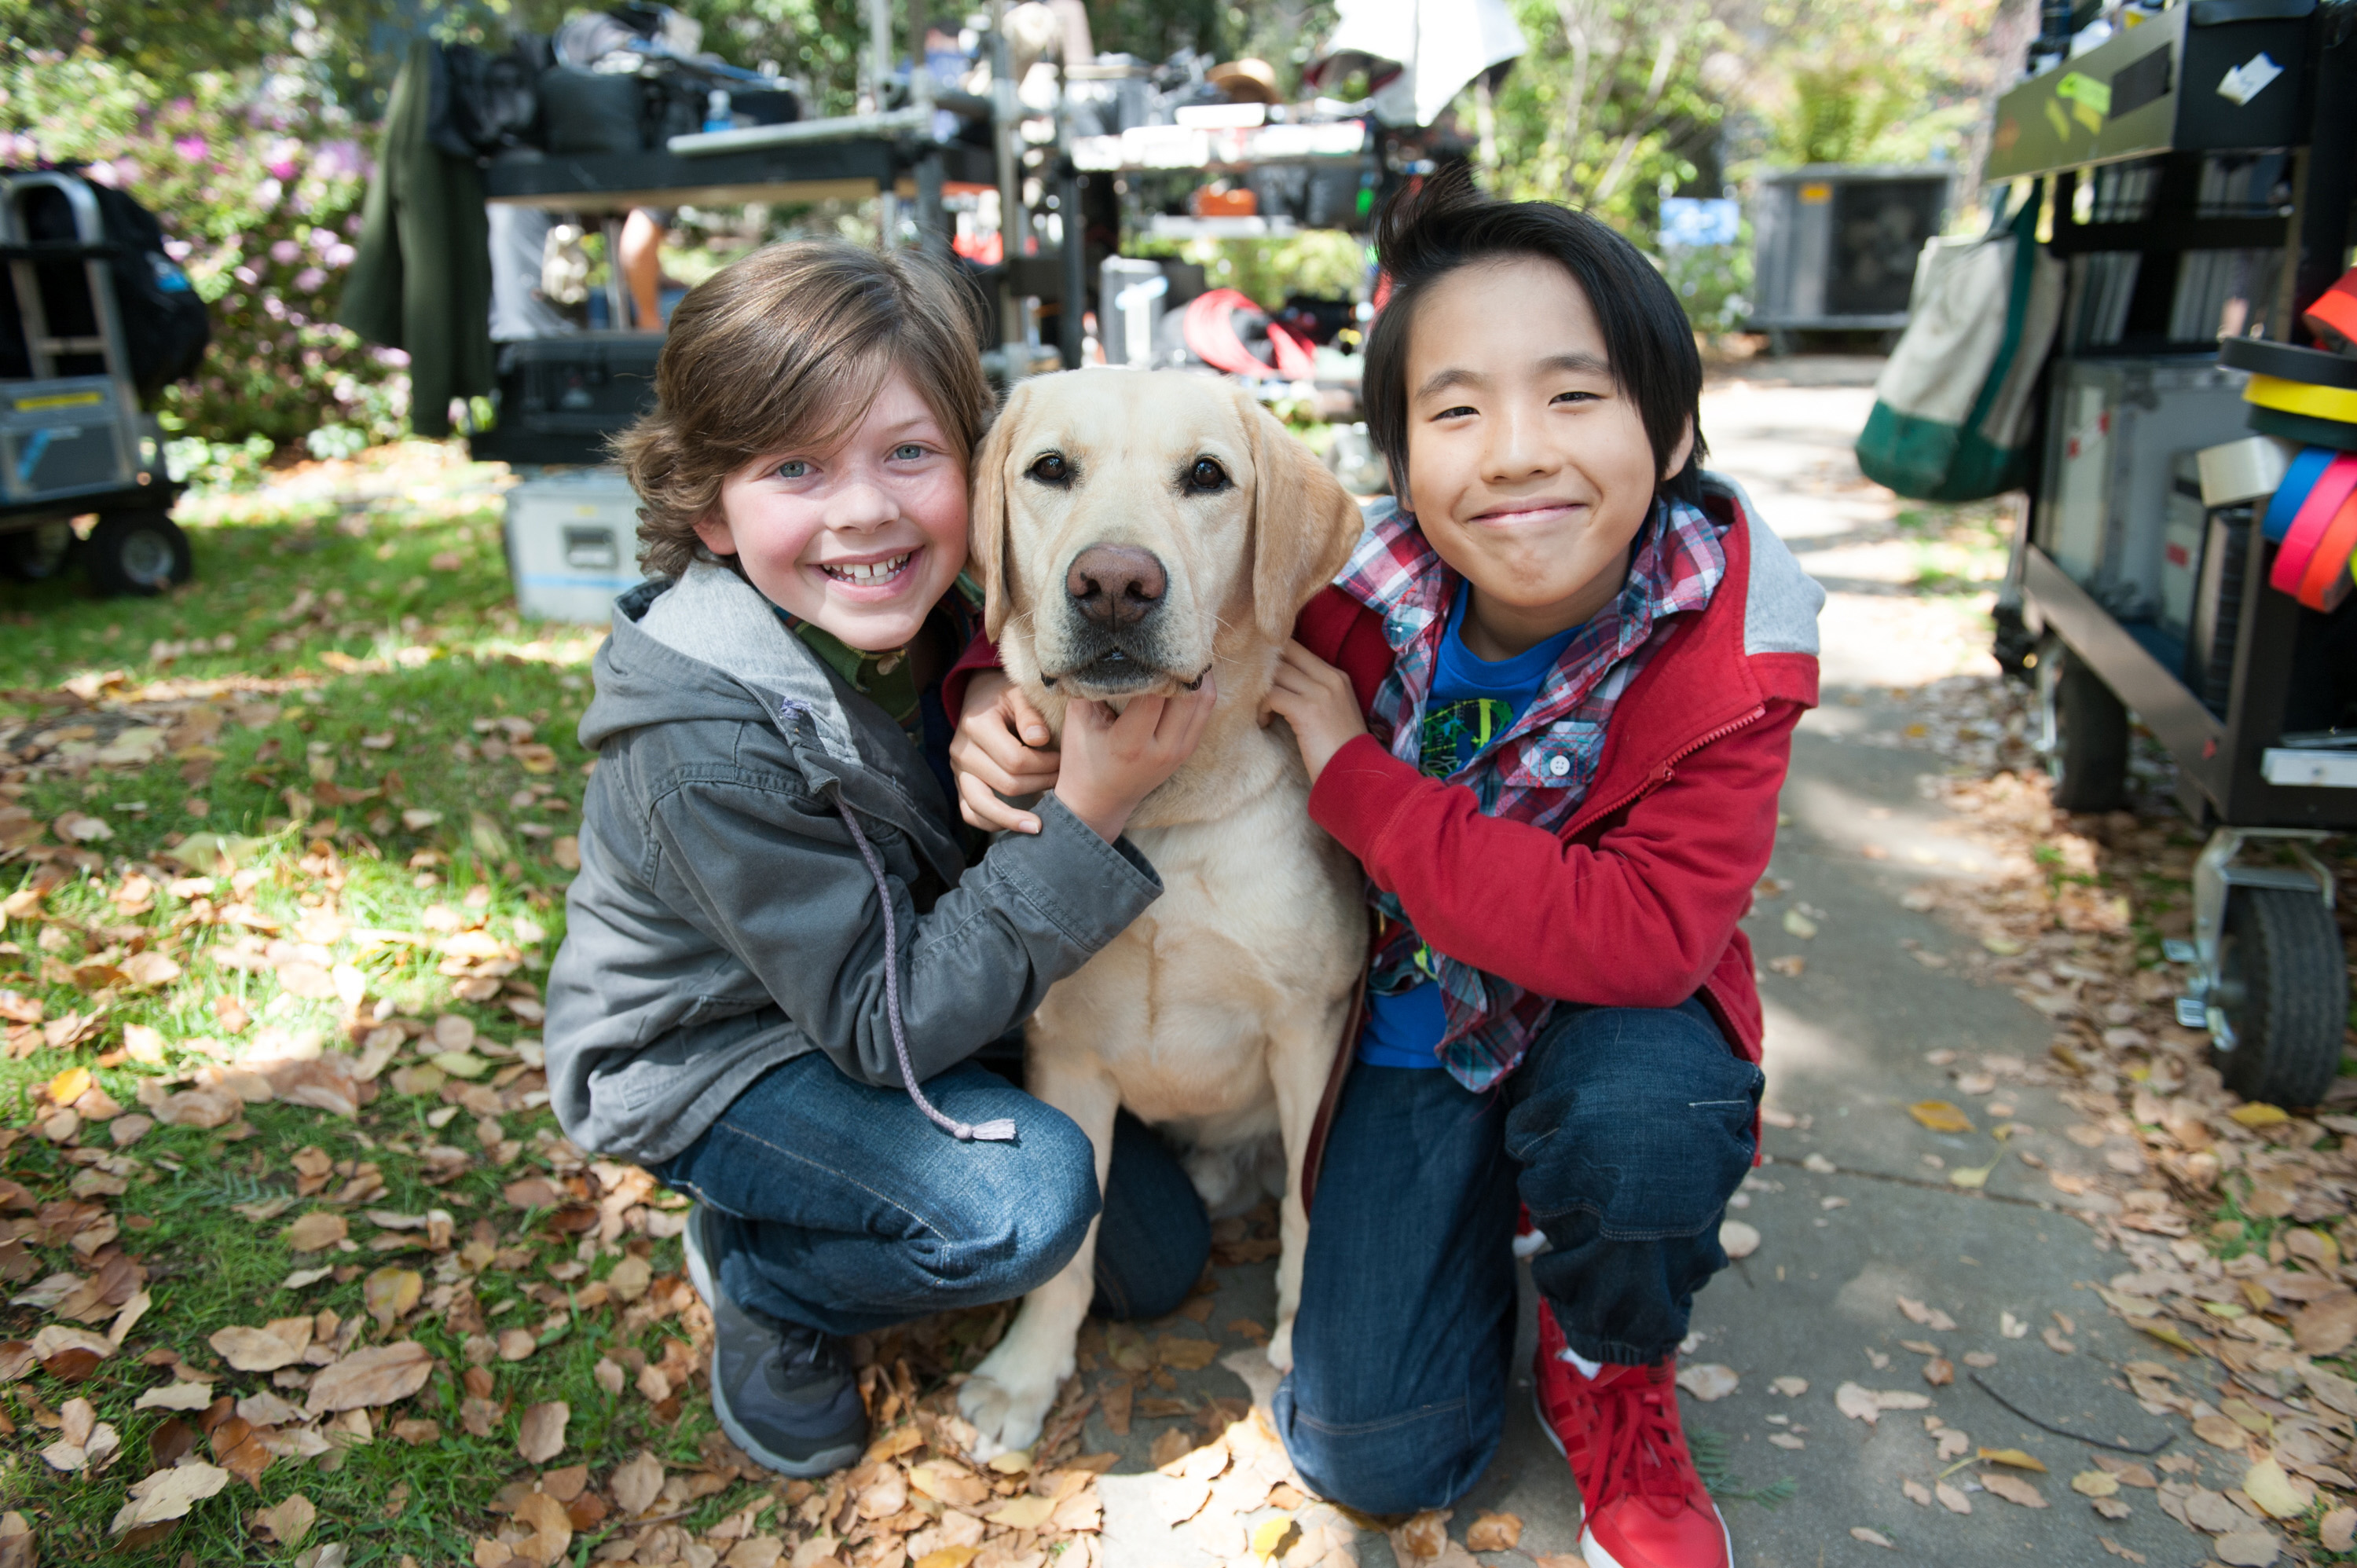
780	952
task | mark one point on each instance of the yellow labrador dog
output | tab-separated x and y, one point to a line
1133	532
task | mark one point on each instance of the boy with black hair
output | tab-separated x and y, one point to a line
1549	705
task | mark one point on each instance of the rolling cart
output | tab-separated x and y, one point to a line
2197	173
73	441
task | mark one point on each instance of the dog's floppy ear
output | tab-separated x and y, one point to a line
987	533
1304	523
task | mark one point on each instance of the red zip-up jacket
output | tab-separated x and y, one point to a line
1635	902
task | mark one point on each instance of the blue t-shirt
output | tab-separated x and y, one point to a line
1472	703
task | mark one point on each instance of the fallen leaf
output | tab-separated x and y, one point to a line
2327	1326
176	1396
1939	1371
267	1349
2280	1495
375	1376
2337	1531
1799	925
2014	1489
390	1294
1952	1498
1931	1317
1868	1404
1707	1381
2094	1484
167	1495
316	1231
1791	1388
2019	1459
2258	1114
1940	1116
1871	1537
1026	1512
635	1485
2247	1548
289	1522
539	1436
1738	1240
1917	1492
1493	1533
551	1526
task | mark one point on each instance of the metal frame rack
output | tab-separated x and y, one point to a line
2129	143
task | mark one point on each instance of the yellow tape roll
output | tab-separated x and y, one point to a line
2336	403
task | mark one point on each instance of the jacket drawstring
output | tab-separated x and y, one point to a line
1000	1130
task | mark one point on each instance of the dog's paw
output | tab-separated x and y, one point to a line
1006	1403
1280	1347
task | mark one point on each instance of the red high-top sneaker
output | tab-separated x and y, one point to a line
1644	1505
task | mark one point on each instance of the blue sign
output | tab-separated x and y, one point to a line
1698	221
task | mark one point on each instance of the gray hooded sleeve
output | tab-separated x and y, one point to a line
768	873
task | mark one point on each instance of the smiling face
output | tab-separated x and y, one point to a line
861	540
1528	465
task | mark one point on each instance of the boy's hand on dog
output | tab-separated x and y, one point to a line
1002	747
1113	761
1317	700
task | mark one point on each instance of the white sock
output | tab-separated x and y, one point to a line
1587	1368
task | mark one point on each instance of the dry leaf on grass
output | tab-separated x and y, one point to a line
177	1396
280	1343
167	1495
390	1294
540	1435
289	1522
636	1484
376	1376
316	1231
2280	1495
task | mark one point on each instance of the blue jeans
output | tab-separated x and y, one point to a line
1624	1129
844	1210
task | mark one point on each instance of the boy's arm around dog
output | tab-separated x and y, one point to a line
719	882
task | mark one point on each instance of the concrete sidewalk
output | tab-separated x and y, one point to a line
1854	1208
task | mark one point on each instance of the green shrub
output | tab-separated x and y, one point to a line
257	179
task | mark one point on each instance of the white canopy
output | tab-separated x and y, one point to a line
1435	46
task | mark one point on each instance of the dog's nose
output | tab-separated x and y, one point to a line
1118	585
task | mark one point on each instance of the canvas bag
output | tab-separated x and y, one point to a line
1952	412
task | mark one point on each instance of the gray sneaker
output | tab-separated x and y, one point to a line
784	1393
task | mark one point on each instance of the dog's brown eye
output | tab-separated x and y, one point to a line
1206	475
1051	469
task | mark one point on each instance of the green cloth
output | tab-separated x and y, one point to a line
421	281
889	679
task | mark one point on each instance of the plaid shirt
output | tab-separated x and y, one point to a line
1538	769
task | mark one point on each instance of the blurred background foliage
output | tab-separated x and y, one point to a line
249	126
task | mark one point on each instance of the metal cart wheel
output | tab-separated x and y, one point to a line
137	553
37	554
2280	1008
2084	732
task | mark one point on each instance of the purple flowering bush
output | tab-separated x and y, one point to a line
257	178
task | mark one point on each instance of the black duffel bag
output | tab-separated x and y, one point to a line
164	327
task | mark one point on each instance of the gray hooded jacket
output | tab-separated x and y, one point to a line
723	922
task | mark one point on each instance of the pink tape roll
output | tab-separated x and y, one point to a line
2316	514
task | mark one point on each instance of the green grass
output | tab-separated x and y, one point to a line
355	651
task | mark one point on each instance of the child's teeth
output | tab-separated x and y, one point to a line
870	572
